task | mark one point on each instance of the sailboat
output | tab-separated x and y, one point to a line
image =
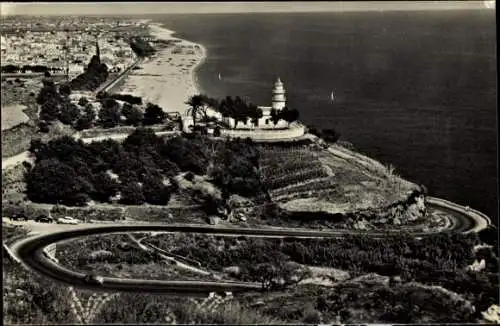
332	97
219	76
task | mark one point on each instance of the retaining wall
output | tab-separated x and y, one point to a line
50	251
96	132
295	131
11	255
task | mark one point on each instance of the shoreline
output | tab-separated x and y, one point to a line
168	78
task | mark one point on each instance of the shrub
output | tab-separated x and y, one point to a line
131	194
69	113
189	176
132	114
109	115
153	115
83	101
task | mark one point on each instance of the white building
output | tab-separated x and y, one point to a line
278	103
75	69
4	44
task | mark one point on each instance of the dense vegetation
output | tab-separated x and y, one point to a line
141	47
32	299
435	260
70	172
329	135
111	113
56	105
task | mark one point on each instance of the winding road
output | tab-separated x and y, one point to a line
30	251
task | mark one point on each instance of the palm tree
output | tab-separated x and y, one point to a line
196	103
275	116
238	111
255	114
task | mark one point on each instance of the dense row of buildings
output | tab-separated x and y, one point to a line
63	44
63	50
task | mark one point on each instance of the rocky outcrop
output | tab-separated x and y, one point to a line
399	213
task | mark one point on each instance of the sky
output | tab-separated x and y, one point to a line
130	8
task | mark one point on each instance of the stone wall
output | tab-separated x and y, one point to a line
296	130
96	132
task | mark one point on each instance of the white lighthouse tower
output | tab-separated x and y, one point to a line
279	100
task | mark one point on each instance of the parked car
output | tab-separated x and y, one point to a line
44	219
67	220
93	279
18	217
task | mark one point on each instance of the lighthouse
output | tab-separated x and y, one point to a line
279	100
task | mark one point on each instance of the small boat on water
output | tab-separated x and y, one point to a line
219	76
332	97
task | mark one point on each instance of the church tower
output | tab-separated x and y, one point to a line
279	100
97	51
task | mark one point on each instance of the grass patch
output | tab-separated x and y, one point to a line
13	115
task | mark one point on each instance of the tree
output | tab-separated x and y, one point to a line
69	113
329	135
255	114
109	116
132	114
196	103
36	146
87	119
83	123
155	192
142	140
266	274
43	127
275	116
289	115
52	181
154	114
48	92
65	89
131	193
105	187
50	110
225	107
239	111
83	101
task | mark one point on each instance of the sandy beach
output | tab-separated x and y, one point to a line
168	79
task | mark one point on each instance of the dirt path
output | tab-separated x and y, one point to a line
13	161
171	260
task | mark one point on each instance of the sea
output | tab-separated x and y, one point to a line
413	89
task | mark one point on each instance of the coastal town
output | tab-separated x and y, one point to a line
136	182
64	47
